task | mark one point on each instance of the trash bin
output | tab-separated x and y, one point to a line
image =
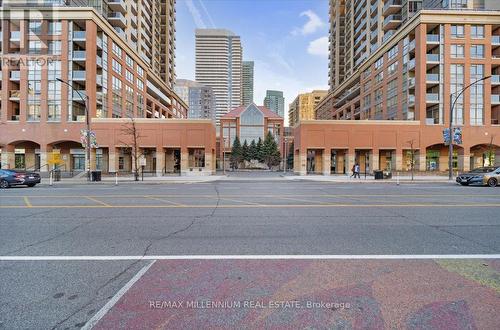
379	175
95	176
57	175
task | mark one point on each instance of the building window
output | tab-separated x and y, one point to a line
379	63
457	31
457	84
140	71
129	76
117	50
393	52
196	158
117	67
54	91
129	61
34	90
35	47
35	27
457	51
476	94
458	4
140	84
117	98
55	28
392	99
392	68
229	134
477	31
477	51
55	47
379	77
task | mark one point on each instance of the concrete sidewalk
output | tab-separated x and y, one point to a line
130	178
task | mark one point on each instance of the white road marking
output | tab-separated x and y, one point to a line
100	314
255	257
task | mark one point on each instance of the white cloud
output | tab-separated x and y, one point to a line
318	47
195	14
313	24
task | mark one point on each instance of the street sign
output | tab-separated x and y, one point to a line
446	136
457	135
55	158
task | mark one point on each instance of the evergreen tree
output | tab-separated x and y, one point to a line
236	153
270	151
245	151
252	151
259	151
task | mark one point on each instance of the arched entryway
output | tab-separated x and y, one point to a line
436	159
21	155
483	155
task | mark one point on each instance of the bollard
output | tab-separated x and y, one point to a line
116	178
397	180
50	178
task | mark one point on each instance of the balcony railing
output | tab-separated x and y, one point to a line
411	64
79	55
15	35
79	35
495	79
433	38
78	75
432	97
432	57
15	75
15	94
432	77
495	40
76	96
495	99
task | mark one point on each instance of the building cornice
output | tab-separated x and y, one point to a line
359	122
170	121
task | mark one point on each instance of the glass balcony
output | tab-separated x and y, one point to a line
411	64
432	77
411	82
77	93
78	75
79	55
15	94
432	38
79	35
495	79
432	98
495	99
15	75
15	35
432	57
411	100
495	40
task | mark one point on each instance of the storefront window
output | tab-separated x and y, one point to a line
196	158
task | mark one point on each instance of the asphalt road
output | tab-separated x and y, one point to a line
220	218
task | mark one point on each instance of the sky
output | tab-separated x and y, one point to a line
287	40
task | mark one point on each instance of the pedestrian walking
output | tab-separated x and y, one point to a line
357	170
353	170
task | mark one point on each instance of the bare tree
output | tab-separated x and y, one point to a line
133	137
412	159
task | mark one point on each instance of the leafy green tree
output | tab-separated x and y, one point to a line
270	151
236	153
259	151
253	153
245	151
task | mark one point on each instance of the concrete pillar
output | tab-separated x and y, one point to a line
421	161
443	161
184	161
8	159
399	159
375	161
112	160
464	162
302	163
209	161
93	159
350	160
160	161
327	162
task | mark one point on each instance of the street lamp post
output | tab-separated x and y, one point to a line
224	155
453	100
285	154
87	121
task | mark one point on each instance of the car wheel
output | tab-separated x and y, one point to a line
492	182
4	184
31	185
464	183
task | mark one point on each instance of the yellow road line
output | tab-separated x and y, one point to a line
165	201
260	205
302	200
27	202
97	201
236	200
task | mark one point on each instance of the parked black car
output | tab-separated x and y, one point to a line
10	178
476	176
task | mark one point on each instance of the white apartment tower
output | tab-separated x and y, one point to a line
219	65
